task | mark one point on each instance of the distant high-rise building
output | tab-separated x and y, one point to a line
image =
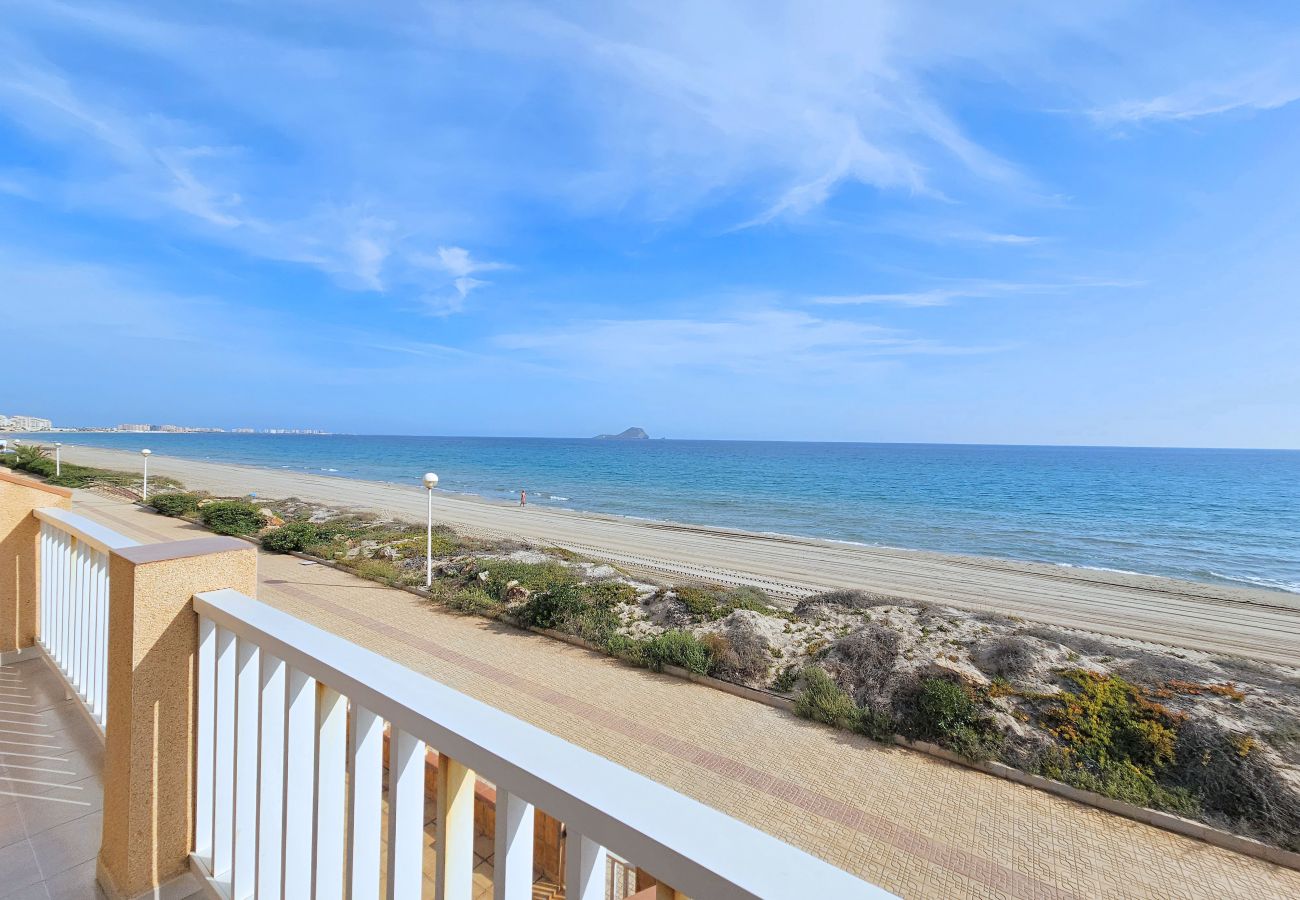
133	428
28	423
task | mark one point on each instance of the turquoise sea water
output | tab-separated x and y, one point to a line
1225	516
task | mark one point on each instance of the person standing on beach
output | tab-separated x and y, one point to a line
523	497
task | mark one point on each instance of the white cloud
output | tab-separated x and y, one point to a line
142	165
1201	67
944	296
691	100
1263	89
763	342
994	237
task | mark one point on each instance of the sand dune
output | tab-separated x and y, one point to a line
1242	621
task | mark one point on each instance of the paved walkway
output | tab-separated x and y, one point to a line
917	826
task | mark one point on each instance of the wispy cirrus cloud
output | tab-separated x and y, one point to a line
124	158
1248	61
796	342
1264	89
946	295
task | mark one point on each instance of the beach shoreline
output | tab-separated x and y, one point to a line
1197	615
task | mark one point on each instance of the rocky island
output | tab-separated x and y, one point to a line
631	434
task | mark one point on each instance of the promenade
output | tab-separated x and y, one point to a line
914	825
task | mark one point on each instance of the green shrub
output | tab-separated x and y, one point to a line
376	570
949	715
1119	780
175	504
877	724
1109	720
554	608
570	608
940	707
711	602
677	648
786	679
30	453
609	592
232	517
536	577
292	536
445	543
822	700
625	647
472	600
40	466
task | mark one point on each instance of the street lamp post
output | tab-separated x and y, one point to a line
144	493
430	482
58	459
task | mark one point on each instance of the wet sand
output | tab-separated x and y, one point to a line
1248	622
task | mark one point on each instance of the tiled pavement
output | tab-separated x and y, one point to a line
50	793
912	824
484	853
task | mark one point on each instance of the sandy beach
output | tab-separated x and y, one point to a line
1248	622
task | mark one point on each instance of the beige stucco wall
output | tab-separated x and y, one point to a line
19	542
149	749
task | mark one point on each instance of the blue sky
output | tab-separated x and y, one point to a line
896	221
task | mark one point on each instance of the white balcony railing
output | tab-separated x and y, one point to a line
74	602
290	792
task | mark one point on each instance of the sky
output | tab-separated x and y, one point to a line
1005	222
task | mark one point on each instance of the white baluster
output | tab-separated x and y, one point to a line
405	815
584	867
205	738
55	557
76	661
331	796
223	793
44	597
270	789
65	570
247	701
512	873
104	605
299	784
92	634
366	806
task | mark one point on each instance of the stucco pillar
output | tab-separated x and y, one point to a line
149	746
454	834
20	534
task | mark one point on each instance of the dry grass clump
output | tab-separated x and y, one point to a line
1009	657
847	599
1235	784
739	653
863	663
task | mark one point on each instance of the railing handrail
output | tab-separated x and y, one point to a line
697	849
84	529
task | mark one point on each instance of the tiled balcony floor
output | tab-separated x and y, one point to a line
51	796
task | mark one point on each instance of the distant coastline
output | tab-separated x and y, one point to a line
1157	512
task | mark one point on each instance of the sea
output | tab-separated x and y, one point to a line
1219	516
